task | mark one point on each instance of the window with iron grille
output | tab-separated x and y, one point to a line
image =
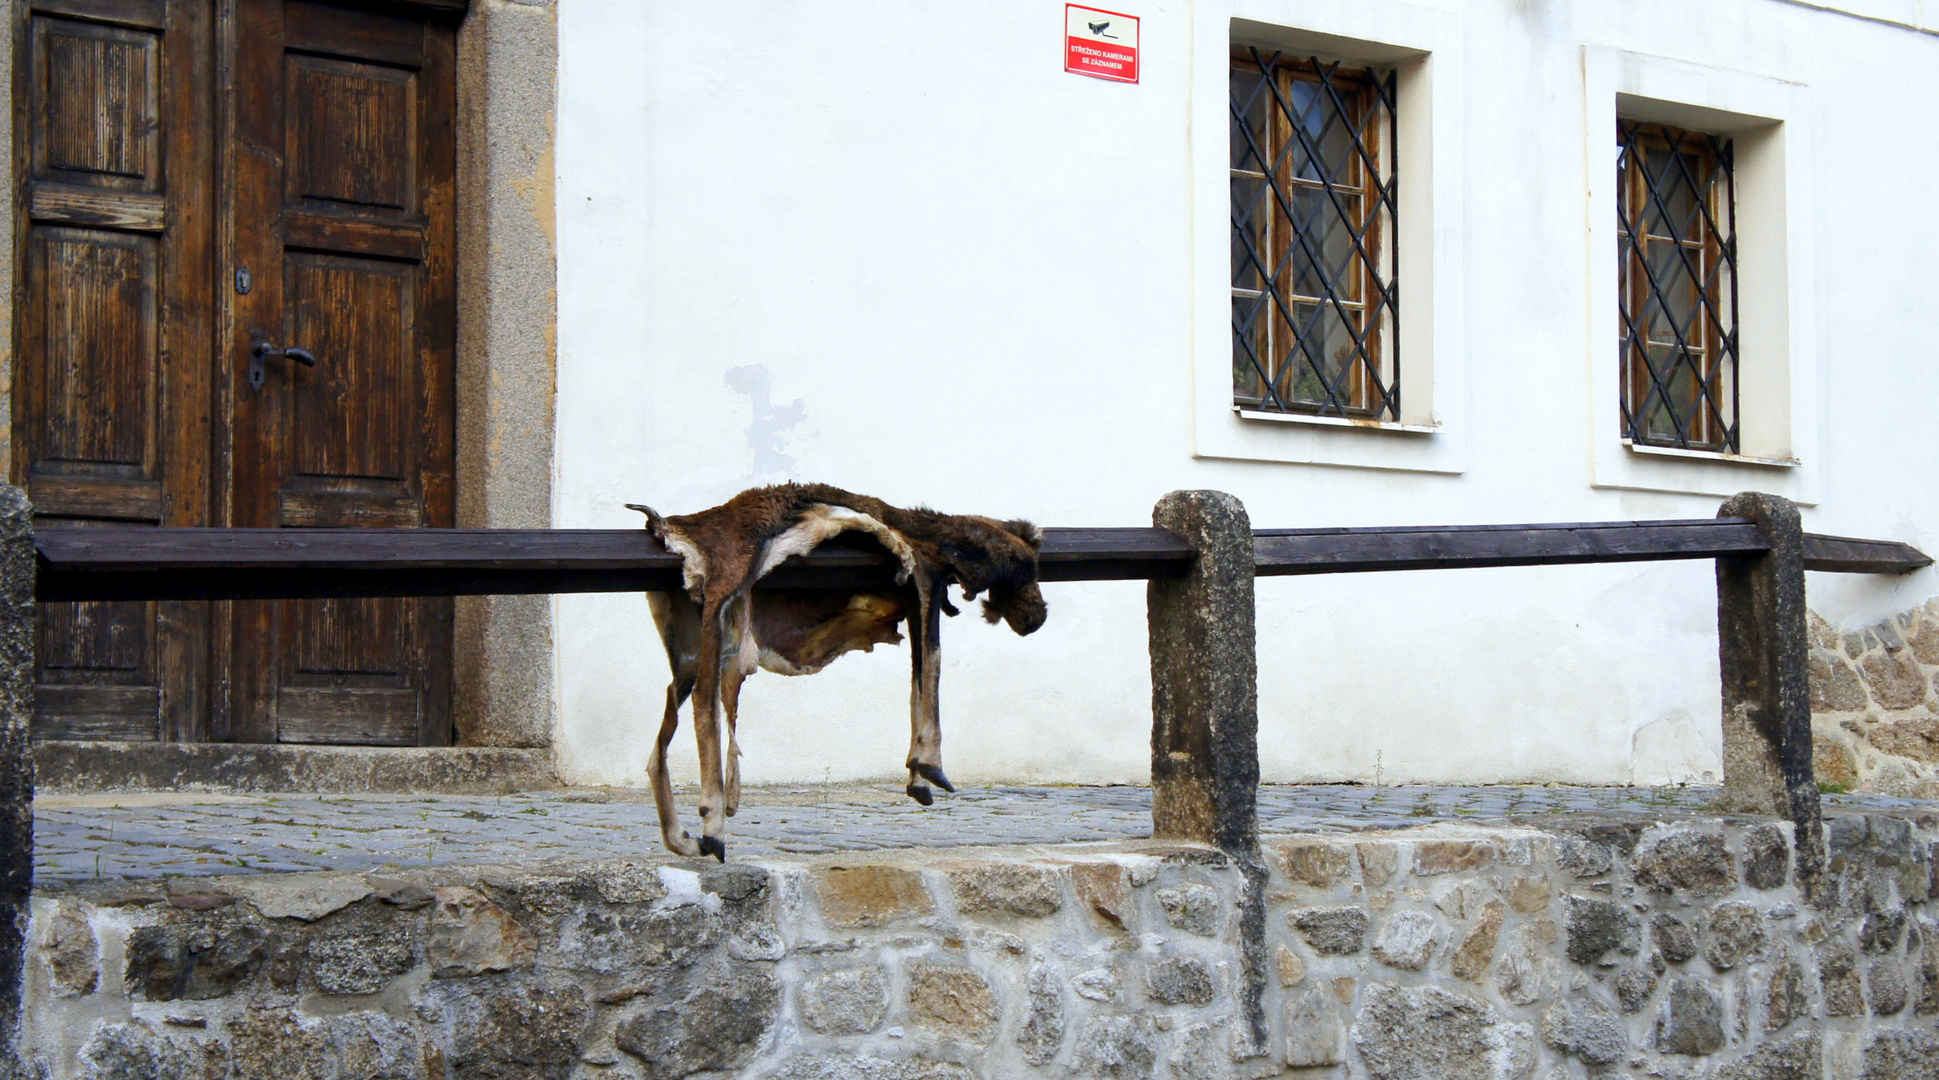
1677	200
1314	302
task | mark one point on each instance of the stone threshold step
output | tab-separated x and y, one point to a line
79	767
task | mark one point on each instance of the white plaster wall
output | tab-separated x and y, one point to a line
893	246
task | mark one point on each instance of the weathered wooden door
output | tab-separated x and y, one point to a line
212	192
343	188
114	337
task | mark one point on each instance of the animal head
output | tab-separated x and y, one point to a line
1000	558
1022	607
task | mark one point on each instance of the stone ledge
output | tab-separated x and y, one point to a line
69	768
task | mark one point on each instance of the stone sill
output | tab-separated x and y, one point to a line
79	767
1711	456
1334	421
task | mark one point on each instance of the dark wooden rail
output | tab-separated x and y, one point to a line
134	563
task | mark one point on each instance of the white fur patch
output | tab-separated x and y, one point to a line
775	662
746	654
821	521
693	563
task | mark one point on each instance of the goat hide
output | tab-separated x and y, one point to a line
724	627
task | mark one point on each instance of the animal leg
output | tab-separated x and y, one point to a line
706	732
676	838
925	723
730	700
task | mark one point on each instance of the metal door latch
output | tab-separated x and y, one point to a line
263	351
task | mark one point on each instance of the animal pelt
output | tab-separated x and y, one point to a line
724	626
726	548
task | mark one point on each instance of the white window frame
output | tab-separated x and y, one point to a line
1424	44
1779	449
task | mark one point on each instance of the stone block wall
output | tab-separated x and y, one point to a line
1875	705
1601	948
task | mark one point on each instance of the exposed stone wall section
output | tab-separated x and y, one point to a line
1598	947
1875	705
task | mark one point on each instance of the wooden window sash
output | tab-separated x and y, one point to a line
1707	430
1276	337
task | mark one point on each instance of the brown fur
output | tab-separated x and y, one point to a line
800	631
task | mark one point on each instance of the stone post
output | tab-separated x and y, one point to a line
16	755
1205	717
1204	678
1762	644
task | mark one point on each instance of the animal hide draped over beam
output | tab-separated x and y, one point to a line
724	627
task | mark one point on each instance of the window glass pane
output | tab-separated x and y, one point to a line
1253	103
1679	400
1249	321
1678	294
1324	353
1673	212
1305	127
1251	211
1327	256
1323	131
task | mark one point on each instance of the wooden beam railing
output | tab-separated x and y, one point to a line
1200	560
137	563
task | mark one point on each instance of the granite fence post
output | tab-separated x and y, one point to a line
16	754
1762	646
1205	718
1204	678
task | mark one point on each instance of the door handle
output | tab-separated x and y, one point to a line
263	351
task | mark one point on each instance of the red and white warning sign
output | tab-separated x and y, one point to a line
1101	44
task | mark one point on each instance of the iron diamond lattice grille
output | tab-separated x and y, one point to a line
1677	200
1314	297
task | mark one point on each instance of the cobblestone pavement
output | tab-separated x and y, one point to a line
78	838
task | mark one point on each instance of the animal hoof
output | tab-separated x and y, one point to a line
934	774
921	794
715	846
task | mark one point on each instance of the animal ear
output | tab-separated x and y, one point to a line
1026	531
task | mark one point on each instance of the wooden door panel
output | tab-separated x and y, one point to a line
99	89
354	642
124	713
357	315
352	134
114	255
96	636
342	205
99	350
369	716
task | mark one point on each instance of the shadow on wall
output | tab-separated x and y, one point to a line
1872	705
